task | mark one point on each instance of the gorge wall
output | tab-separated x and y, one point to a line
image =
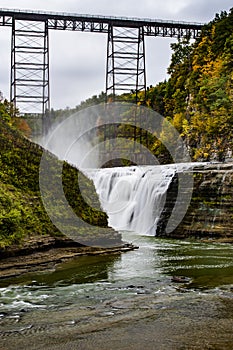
210	213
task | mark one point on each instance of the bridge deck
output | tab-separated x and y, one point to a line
94	23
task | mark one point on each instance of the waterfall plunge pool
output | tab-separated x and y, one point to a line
92	293
208	267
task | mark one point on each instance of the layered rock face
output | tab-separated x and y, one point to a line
210	213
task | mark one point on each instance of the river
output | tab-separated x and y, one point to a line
93	292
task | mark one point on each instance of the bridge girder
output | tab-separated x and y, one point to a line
89	23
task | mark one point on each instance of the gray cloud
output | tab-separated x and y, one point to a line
205	11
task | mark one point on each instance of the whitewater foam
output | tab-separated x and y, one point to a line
134	197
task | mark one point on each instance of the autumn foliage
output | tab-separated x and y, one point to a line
198	96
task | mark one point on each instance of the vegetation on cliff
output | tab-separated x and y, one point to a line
22	213
198	96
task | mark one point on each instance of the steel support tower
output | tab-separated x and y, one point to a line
125	62
30	66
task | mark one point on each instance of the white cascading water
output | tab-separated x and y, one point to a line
133	197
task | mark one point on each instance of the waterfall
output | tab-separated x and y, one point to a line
133	197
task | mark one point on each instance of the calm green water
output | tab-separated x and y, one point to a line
148	270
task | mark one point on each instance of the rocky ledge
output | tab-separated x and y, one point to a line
210	213
43	253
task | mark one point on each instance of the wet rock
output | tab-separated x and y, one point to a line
180	279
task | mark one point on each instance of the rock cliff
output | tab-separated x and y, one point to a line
210	213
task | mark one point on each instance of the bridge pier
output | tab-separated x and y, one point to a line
125	73
29	89
125	62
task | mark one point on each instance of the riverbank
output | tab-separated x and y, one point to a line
155	322
44	253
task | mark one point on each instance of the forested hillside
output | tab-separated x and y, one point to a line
198	96
22	214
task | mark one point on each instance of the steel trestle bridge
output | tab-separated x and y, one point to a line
125	71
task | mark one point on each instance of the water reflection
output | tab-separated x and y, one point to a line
209	265
93	279
84	269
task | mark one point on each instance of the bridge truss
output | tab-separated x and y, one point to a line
30	65
125	72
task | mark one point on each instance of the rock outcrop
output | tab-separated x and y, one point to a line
210	213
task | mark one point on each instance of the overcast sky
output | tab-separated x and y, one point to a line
78	60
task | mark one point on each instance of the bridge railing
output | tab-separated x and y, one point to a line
107	19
